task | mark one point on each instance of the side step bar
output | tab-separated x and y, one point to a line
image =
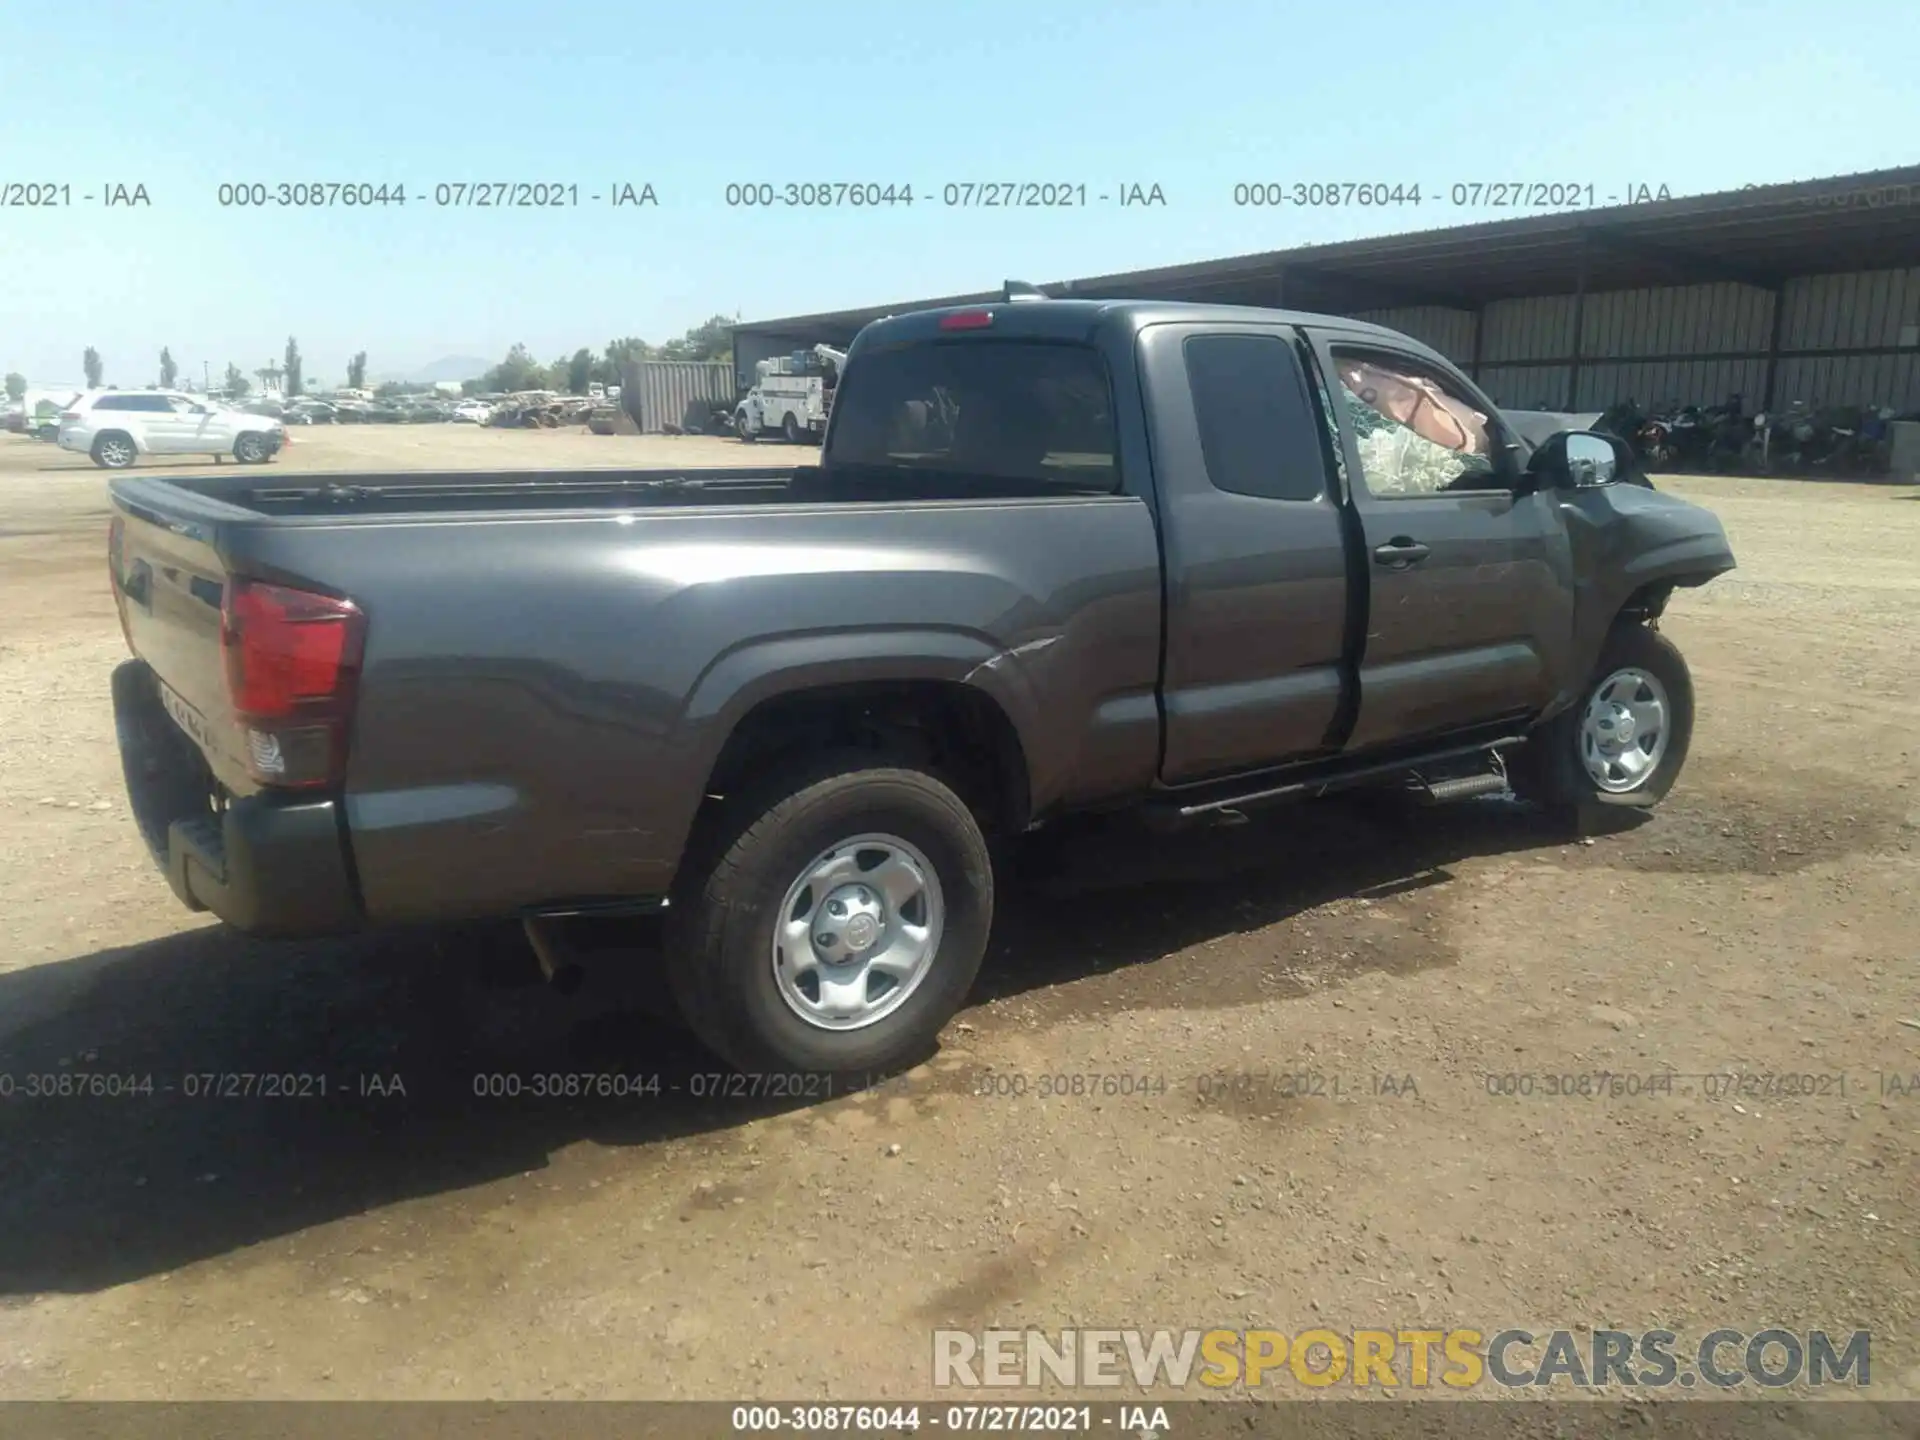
1328	780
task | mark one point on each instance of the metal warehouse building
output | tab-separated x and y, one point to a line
1808	291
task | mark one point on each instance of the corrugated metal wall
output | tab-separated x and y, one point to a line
1448	331
1692	344
659	393
1876	310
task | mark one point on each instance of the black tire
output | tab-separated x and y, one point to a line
114	450
1549	769
720	927
790	428
251	449
743	430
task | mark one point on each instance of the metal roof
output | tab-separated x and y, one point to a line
1760	235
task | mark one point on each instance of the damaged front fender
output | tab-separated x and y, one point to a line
1631	546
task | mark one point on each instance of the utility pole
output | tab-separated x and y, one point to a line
206	377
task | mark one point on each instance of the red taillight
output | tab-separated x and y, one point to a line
292	660
117	573
967	320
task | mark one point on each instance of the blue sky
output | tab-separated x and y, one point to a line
1193	96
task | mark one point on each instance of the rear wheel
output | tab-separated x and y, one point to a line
790	427
1625	741
114	451
838	924
251	449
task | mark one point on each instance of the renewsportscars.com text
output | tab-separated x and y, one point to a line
1456	1358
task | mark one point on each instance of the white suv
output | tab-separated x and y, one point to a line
117	427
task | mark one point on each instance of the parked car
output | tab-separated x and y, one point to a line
40	411
14	421
472	412
1056	556
117	427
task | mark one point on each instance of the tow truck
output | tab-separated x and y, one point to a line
793	395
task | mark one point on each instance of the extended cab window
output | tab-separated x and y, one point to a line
1417	434
1004	409
1258	433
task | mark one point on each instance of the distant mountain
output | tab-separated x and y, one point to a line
452	367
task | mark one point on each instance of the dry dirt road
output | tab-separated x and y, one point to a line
439	1243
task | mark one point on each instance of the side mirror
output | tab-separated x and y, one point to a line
1580	459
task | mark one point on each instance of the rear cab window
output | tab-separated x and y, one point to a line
1259	434
1022	411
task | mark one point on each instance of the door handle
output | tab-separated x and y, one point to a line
1400	552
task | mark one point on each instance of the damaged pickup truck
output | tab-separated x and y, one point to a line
1056	556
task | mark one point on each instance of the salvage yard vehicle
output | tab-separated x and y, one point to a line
792	396
40	411
117	427
1057	556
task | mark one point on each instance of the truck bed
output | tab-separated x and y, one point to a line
552	659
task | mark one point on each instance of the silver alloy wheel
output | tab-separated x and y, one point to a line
1623	735
857	932
250	449
116	452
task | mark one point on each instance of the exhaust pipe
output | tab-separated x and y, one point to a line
550	948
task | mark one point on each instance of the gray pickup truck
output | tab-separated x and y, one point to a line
1056	556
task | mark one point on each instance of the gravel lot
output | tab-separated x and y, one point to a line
434	1244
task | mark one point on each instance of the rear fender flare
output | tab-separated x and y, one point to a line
761	670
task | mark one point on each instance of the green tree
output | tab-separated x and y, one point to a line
169	372
357	371
579	371
236	383
293	367
16	385
710	341
91	360
612	365
519	371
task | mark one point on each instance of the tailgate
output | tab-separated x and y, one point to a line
171	583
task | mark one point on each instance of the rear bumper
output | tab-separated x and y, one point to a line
265	865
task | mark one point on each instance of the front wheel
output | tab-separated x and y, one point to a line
743	428
841	924
1625	741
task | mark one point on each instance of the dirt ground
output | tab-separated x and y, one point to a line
438	1244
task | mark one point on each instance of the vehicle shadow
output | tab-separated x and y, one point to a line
375	1062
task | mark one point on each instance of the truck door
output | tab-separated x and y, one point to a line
1251	534
1470	594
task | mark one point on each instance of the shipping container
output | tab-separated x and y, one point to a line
676	394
